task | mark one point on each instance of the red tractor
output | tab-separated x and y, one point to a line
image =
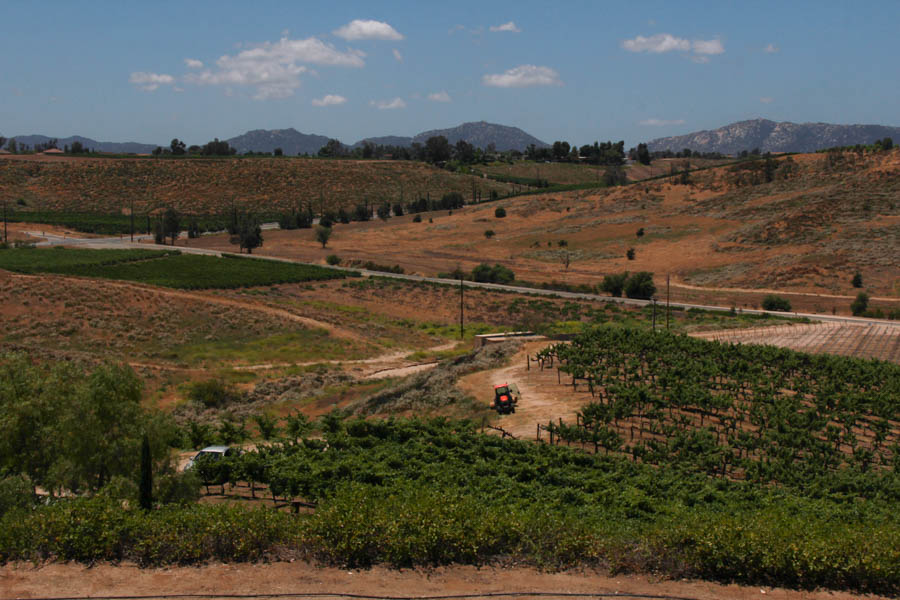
506	397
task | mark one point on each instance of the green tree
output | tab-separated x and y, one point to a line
857	280
177	147
499	212
250	235
332	149
629	254
643	154
267	425
437	149
171	224
323	234
860	305
777	303
640	285
464	152
614	284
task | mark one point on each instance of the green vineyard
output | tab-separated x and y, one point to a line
740	411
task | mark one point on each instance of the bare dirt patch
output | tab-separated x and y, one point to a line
71	580
807	234
860	341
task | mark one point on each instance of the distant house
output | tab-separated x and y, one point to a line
52	151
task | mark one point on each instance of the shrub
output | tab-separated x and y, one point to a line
489	233
213	393
857	281
384	211
860	305
496	274
417	219
333	259
640	285
499	212
361	213
640	232
630	254
773	302
15	493
614	284
323	234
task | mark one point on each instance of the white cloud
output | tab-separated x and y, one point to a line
273	67
329	100
441	96
360	29
665	42
455	29
511	27
397	55
771	49
661	122
388	104
708	46
767	100
661	42
177	89
523	76
150	81
193	63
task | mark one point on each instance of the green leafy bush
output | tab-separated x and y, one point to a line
777	303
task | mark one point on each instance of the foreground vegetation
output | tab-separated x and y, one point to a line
164	268
437	492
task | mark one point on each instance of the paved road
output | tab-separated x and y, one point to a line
124	242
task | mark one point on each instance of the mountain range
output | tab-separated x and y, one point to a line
114	147
768	136
292	142
772	136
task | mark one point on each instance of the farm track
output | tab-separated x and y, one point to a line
698	288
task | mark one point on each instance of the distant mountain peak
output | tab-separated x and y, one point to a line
481	134
774	136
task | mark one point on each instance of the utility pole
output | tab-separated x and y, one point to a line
461	330
667	300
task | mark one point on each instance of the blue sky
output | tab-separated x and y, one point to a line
574	71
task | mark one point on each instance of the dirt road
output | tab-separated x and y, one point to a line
78	581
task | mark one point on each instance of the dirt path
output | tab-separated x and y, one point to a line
543	400
73	580
687	286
